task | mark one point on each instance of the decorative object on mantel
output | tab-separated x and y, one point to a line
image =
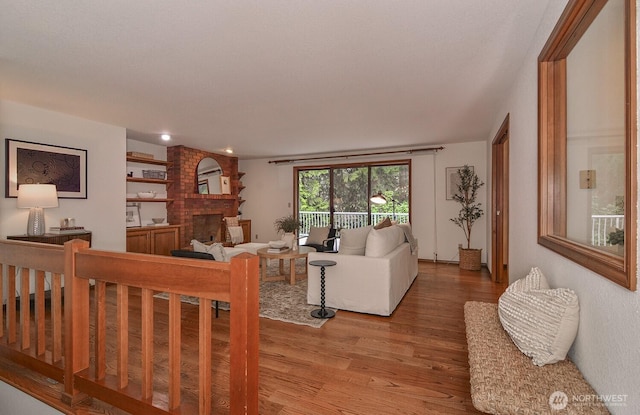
288	225
470	212
36	197
66	168
225	185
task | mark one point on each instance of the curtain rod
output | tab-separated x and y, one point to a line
410	151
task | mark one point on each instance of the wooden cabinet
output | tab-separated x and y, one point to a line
246	229
158	240
53	238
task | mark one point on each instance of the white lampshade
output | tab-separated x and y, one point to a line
378	199
37	196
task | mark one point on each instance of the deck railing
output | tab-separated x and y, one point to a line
83	367
346	220
602	225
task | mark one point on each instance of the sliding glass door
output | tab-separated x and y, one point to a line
340	195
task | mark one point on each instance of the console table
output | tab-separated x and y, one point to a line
53	238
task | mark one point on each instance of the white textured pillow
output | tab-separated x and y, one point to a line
384	240
542	323
317	235
353	241
535	280
216	249
218	252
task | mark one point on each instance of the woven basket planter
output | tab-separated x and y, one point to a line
470	259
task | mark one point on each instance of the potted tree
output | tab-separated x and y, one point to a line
470	212
288	225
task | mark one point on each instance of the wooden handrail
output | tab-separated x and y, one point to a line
235	282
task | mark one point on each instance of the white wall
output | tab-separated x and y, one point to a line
269	195
105	145
606	348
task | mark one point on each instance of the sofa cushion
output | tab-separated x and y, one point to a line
542	323
382	241
353	241
317	235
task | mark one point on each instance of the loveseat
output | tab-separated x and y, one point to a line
374	269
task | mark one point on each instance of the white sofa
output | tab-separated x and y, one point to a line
374	269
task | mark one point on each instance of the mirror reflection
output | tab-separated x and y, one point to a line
209	172
596	133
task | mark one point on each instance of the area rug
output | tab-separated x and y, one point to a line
279	300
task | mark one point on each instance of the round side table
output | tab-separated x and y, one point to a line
322	312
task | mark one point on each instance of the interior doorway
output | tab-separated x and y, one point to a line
500	204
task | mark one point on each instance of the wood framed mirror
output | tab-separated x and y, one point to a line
208	177
587	138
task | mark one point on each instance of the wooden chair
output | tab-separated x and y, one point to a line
327	244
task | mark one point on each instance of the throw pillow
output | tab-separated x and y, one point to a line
317	235
353	241
542	323
216	249
218	252
535	280
383	224
382	241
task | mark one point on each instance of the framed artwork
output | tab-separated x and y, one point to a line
133	216
452	180
28	162
203	187
225	185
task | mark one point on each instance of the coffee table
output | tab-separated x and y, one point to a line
291	255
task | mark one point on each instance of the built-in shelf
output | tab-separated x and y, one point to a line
148	161
152	181
150	200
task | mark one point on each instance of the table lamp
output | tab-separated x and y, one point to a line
36	197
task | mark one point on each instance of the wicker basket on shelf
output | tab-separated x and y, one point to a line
154	174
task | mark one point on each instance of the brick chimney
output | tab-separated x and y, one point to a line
187	203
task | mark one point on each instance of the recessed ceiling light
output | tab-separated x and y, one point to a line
228	150
165	137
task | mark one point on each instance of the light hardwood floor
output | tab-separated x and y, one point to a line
414	362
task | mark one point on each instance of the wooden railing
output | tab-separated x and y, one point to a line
83	365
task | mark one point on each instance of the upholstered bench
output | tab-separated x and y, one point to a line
505	381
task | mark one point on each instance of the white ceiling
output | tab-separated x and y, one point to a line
273	77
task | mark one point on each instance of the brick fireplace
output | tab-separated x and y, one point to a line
199	215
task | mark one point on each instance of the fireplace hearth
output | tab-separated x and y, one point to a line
207	228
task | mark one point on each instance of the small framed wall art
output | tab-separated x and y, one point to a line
32	163
133	215
452	180
225	185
